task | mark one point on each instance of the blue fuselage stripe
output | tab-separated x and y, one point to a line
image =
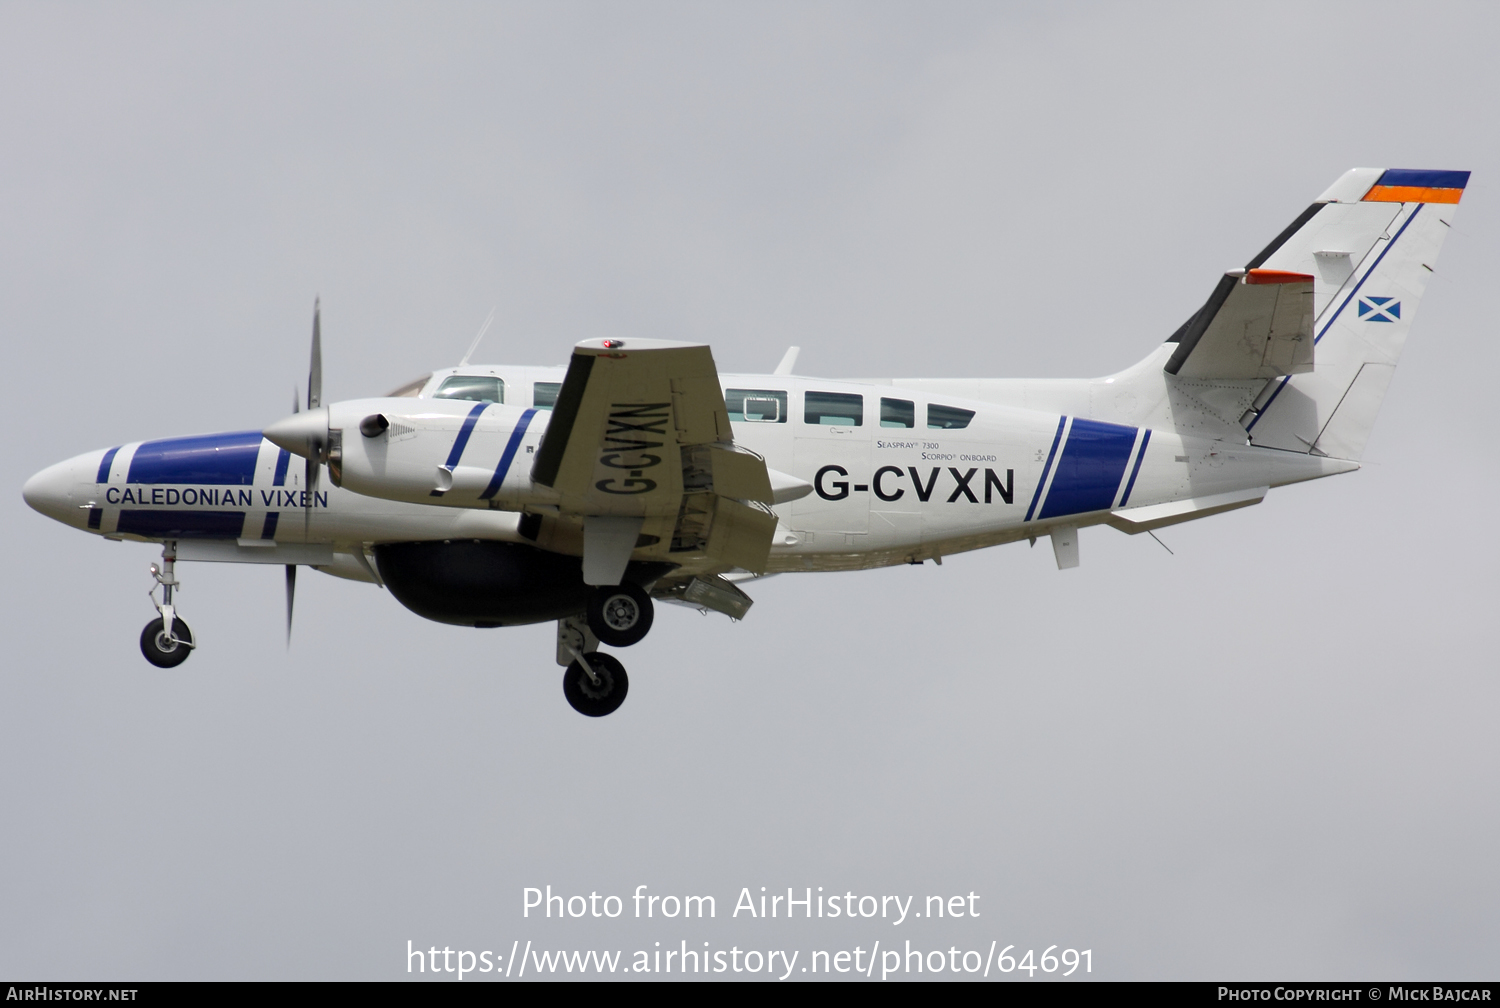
105	463
1089	471
1061	422
1136	471
268	531
511	447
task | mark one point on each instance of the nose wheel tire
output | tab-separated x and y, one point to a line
166	650
593	698
620	615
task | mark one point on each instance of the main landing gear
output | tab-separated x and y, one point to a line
618	615
166	641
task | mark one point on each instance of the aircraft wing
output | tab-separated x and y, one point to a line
1258	323
640	446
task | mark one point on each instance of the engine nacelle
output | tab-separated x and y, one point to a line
424	451
483	583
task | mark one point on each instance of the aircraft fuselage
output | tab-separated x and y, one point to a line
898	476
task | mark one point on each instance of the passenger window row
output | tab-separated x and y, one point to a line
826	409
838	409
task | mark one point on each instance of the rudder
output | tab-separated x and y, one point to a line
1371	242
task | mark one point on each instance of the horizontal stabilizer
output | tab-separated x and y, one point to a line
1154	516
1258	323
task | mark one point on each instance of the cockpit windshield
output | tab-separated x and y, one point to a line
411	389
474	388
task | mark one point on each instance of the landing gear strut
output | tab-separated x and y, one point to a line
166	641
594	683
620	615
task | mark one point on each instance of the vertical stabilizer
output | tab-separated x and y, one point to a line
1371	242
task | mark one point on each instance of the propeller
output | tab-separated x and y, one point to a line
291	594
312	466
316	441
315	366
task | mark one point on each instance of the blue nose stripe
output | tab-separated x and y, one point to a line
177	524
205	458
105	463
283	460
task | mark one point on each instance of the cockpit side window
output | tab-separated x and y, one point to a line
411	389
544	394
474	388
755	405
947	417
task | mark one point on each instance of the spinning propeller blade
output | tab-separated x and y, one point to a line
315	366
309	437
291	592
314	400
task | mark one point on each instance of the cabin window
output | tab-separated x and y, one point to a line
544	394
898	413
947	417
474	388
838	409
755	405
411	389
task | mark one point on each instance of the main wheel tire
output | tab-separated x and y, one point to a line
620	615
596	699
162	651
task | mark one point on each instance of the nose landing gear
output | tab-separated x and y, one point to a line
166	650
594	683
166	641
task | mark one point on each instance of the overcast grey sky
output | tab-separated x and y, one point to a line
1270	755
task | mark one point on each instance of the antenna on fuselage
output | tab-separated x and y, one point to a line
788	361
475	345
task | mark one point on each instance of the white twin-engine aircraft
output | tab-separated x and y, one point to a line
498	496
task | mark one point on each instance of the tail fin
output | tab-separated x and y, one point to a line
1298	347
1369	244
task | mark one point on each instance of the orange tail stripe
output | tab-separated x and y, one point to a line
1411	194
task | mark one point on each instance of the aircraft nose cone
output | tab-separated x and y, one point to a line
49	492
299	433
